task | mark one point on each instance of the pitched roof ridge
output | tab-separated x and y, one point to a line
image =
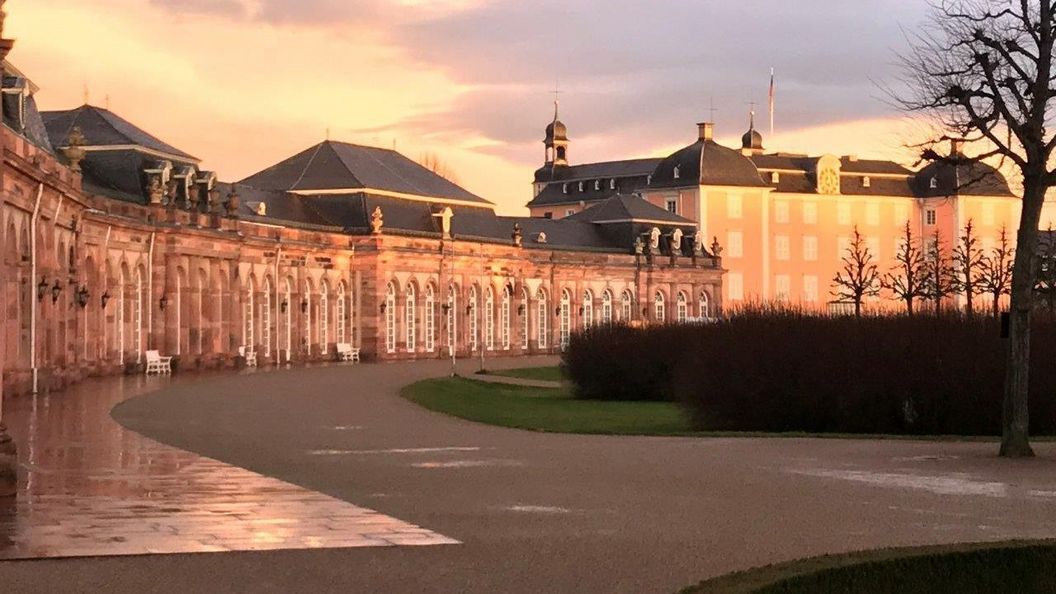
308	165
384	165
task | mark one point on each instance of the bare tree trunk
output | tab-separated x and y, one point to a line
858	308
997	306
1015	442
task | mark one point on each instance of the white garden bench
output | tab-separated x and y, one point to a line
248	355
346	352
158	364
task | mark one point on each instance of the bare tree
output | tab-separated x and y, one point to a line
907	278
939	274
996	272
859	278
967	264
434	163
984	69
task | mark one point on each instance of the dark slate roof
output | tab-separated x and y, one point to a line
708	163
102	127
604	170
797	175
340	166
629	208
31	126
116	174
967	178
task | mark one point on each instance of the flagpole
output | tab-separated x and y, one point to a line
772	90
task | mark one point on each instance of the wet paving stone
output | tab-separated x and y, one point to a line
89	487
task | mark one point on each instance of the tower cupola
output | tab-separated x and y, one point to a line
556	141
752	141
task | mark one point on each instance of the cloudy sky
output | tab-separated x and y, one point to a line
244	83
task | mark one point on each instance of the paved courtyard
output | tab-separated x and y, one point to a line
533	512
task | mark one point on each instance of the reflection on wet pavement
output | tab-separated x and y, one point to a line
90	487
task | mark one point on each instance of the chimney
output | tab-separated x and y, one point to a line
955	146
705	130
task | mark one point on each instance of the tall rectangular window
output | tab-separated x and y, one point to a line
733	206
810	248
782	287
810	213
781	247
843	213
672	205
810	289
872	213
735	244
781	211
930	216
735	286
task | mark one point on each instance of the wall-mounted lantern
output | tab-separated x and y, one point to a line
304	306
284	306
163	302
446	307
469	309
104	298
520	309
557	312
56	290
42	288
82	296
384	306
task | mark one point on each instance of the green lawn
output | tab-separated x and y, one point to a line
544	409
548	374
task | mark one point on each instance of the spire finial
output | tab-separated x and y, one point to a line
557	93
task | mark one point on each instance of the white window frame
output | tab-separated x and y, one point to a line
390	318
430	318
410	325
543	313
588	309
659	308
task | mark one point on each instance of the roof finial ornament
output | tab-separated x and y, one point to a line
74	149
517	236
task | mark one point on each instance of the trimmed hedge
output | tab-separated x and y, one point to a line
785	371
1022	567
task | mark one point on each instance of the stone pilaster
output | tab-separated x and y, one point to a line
8	452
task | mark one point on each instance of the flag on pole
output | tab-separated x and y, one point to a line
772	93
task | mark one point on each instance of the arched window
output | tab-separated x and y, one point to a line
341	317
409	311
704	305
119	319
504	318
566	318
523	310
660	310
452	319
306	310
588	309
265	319
681	308
181	282
248	338
543	314
626	307
606	308
471	310
288	318
430	318
199	305
137	315
390	318
324	316
489	319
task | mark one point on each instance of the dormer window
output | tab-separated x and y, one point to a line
649	179
678	172
934	183
564	188
775	177
612	184
597	184
262	209
580	186
866	182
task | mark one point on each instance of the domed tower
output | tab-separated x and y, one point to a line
556	142
752	141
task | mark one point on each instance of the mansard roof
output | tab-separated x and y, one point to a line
966	178
335	166
706	163
103	128
629	208
603	170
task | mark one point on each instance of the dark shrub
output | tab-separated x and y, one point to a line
788	371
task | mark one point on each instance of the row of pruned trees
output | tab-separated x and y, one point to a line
929	272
